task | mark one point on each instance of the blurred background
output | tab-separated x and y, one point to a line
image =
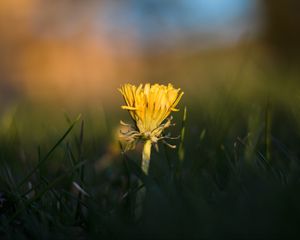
73	52
72	55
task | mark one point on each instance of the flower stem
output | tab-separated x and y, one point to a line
141	194
146	156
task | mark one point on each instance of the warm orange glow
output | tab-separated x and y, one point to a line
47	64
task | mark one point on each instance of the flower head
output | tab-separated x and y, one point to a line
149	106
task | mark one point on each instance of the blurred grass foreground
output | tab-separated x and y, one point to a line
235	171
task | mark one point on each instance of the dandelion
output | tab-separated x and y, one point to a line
150	107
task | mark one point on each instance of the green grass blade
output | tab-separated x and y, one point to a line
45	190
181	149
42	161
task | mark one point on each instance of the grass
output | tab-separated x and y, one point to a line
235	173
220	183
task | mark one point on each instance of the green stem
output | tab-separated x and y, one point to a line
146	156
141	194
268	127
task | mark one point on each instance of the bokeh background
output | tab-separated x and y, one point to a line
236	60
77	53
72	55
72	52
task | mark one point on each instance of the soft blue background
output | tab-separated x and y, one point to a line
160	21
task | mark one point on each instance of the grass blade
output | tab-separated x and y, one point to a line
181	150
45	190
42	161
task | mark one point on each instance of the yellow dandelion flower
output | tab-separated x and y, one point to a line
149	106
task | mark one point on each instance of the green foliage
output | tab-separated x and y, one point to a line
235	174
